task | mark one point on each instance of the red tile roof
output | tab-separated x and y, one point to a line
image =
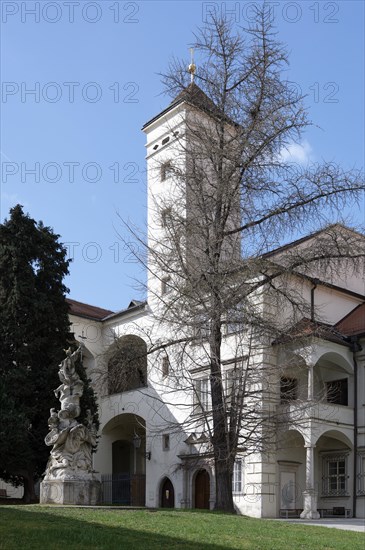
306	327
354	322
86	310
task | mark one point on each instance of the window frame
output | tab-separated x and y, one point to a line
166	214
165	170
233	380
237	477
165	287
165	366
165	442
290	393
361	474
338	397
335	482
201	397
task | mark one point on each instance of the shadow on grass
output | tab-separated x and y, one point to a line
54	530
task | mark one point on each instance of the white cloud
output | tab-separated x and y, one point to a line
297	152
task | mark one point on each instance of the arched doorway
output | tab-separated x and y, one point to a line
124	475
167	494
202	490
122	457
121	468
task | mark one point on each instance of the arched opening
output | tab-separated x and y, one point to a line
167	494
127	364
333	380
334	469
202	490
124	438
122	457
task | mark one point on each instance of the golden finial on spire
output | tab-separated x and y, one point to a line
192	66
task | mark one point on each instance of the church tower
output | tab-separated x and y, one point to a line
173	172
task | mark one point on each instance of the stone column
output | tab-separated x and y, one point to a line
309	495
310	383
185	501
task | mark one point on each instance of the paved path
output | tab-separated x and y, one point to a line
350	524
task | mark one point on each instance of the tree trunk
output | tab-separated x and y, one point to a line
29	490
223	480
221	441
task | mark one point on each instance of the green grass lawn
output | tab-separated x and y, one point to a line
46	527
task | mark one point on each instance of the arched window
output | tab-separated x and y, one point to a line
127	366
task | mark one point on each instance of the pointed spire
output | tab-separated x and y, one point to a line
192	66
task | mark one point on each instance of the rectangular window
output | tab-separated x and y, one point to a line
288	389
166	214
201	395
165	366
234	319
337	392
237	484
166	170
361	476
166	442
165	286
233	384
335	476
229	383
204	393
201	327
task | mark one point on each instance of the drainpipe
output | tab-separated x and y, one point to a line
355	348
315	283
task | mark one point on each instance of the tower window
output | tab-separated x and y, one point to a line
165	366
165	287
166	170
165	140
166	216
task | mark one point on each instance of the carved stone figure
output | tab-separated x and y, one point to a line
71	441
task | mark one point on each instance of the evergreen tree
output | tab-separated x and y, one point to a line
34	331
88	403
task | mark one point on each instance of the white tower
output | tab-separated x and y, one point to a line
173	140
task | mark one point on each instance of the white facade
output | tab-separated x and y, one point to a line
152	452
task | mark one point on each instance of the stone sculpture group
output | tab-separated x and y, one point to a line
69	476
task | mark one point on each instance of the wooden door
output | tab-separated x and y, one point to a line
202	490
167	494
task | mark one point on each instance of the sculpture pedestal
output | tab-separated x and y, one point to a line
82	492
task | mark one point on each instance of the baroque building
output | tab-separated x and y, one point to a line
154	407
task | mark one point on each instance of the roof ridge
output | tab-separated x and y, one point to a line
310	236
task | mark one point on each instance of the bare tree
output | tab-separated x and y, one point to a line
231	197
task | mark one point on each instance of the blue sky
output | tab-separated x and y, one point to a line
94	68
